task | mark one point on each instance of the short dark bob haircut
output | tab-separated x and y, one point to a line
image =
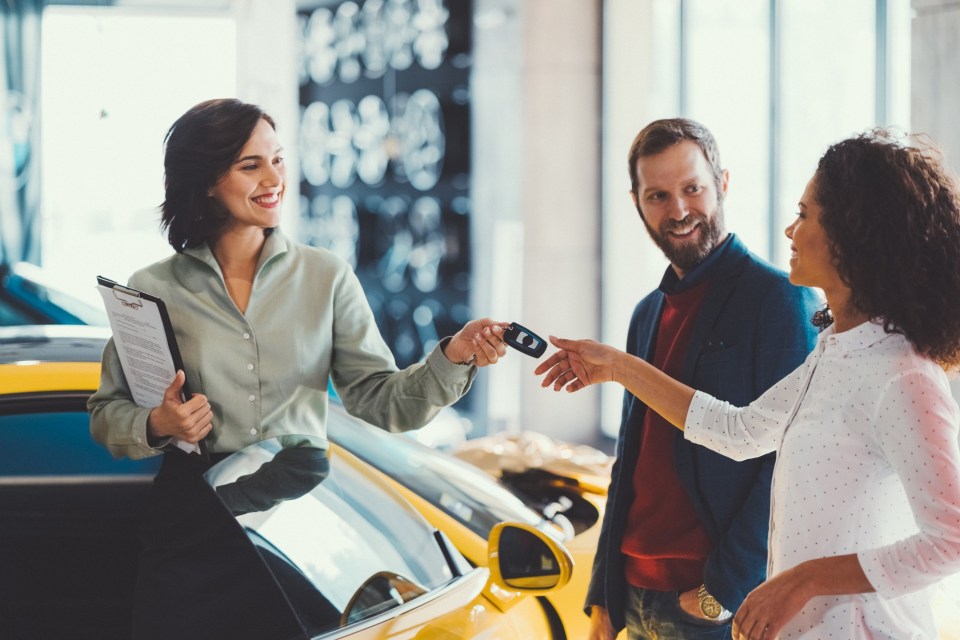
201	146
891	213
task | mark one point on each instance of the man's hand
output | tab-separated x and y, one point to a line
479	342
578	364
600	626
689	602
189	421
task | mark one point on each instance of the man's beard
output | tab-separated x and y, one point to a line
686	255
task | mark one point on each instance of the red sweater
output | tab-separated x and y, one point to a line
665	546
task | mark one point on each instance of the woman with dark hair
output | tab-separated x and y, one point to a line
263	324
865	514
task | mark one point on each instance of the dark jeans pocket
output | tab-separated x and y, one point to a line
697	620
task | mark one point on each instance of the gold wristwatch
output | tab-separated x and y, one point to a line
709	606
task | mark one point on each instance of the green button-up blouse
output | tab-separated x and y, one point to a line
266	372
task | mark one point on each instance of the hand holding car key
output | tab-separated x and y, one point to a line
524	340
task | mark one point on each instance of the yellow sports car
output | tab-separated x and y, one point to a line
385	538
465	503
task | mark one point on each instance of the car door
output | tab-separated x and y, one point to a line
352	557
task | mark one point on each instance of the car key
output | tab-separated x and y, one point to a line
524	340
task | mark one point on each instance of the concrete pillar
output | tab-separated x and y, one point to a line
536	194
934	72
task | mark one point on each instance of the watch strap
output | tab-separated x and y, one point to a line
710	607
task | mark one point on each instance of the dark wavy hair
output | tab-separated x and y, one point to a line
201	146
891	213
659	135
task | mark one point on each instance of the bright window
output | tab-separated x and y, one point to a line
727	53
113	81
824	97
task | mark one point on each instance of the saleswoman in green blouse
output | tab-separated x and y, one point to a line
263	324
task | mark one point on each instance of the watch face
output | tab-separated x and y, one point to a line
710	607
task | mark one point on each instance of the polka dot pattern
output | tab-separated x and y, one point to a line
868	463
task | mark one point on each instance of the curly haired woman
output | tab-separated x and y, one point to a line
865	514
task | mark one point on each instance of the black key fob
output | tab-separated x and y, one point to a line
524	340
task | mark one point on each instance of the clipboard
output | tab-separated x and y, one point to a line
146	345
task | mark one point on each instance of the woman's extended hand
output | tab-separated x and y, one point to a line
778	600
578	364
189	421
771	606
479	342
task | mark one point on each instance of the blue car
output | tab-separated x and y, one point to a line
27	297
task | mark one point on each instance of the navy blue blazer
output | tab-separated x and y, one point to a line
753	329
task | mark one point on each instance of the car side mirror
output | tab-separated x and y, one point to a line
522	558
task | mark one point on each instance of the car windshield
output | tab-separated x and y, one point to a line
30	296
458	488
11	315
342	544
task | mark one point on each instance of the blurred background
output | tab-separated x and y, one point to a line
467	157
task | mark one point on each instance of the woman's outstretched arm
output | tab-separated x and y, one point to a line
580	363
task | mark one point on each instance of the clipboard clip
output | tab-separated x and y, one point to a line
119	292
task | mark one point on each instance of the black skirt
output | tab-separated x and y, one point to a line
198	574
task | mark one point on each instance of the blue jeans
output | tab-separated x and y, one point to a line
656	615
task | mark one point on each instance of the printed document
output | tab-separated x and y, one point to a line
143	346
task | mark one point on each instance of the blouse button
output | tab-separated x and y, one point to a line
251	397
253	432
250	366
246	336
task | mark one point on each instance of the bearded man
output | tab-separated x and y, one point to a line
684	537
